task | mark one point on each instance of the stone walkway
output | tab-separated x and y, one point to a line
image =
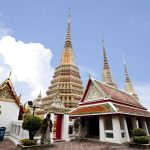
84	145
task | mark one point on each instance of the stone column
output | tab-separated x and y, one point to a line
126	129
65	128
51	134
135	123
101	129
116	129
144	126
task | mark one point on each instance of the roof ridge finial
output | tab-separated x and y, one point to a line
9	75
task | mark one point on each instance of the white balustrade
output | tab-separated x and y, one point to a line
17	131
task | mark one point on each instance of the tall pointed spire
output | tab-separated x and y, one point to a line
66	82
106	65
67	55
106	75
128	85
68	37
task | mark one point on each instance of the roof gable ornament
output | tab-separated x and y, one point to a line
7	91
93	92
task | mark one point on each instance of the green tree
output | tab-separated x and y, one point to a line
32	124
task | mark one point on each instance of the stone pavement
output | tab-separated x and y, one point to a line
73	145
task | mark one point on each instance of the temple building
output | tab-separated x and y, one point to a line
107	113
66	80
65	91
11	108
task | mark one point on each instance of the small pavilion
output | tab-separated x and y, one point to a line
109	114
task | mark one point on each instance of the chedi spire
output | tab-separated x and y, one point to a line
128	85
68	55
107	75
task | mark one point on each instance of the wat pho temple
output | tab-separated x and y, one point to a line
106	113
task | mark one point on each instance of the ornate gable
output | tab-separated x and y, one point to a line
7	92
94	93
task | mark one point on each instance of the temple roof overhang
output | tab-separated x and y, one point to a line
108	108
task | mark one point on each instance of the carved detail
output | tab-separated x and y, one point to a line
6	93
94	93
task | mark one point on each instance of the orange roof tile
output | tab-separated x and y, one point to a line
103	108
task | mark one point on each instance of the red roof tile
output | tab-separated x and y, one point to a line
118	95
133	111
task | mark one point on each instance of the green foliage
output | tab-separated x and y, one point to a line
27	112
138	132
28	142
139	136
32	124
141	139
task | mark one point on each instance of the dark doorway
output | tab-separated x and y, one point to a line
129	125
140	122
93	126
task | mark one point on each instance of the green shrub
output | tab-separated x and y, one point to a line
32	124
141	139
28	142
138	132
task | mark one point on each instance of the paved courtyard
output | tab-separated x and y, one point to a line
84	145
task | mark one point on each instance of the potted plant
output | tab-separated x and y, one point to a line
31	124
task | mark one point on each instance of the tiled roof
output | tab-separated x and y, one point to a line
133	111
110	109
118	95
92	109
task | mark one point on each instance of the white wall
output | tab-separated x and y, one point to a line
9	113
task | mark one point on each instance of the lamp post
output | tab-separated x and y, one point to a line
33	106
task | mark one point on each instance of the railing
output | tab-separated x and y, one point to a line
17	131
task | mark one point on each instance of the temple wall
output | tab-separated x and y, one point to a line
9	113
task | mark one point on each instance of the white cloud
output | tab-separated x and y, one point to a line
143	91
30	66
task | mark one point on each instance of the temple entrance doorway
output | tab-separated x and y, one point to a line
93	127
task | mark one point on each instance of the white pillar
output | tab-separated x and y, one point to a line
65	128
144	126
135	123
101	129
51	134
126	129
116	129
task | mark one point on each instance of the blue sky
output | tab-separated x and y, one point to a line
124	24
